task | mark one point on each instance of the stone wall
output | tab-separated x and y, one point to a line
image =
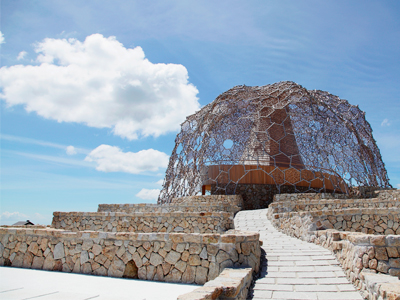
380	215
330	204
368	220
204	222
231	284
357	252
165	208
361	255
204	203
174	257
256	196
205	200
383	194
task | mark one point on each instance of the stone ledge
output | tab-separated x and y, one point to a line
384	286
230	284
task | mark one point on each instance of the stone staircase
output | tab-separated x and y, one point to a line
294	269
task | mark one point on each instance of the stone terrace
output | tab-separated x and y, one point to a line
379	215
361	238
171	245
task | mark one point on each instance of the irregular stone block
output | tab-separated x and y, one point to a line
201	275
189	275
37	263
172	257
58	252
156	259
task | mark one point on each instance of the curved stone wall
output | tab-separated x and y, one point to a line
174	257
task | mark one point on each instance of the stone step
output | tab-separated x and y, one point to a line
294	269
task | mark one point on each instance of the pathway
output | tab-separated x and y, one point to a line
294	269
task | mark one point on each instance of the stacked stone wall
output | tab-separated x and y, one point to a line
165	208
371	261
205	200
368	220
256	196
204	222
174	257
231	284
383	194
334	204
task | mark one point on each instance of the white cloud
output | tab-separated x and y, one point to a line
25	140
9	218
160	182
70	150
21	55
102	84
1	38
385	122
16	214
148	194
51	158
112	159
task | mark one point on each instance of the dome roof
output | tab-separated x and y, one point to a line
273	130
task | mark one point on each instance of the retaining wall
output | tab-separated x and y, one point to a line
208	200
165	208
173	257
204	222
231	284
371	261
327	204
368	220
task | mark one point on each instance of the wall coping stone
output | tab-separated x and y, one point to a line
232	283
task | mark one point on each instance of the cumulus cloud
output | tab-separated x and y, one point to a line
160	182
102	84
70	150
9	218
112	159
148	194
1	38
385	122
21	55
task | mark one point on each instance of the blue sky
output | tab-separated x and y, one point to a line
93	92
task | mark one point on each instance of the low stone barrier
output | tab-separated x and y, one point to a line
363	193
358	253
209	222
368	220
330	204
174	257
295	197
235	200
361	254
165	208
380	286
230	284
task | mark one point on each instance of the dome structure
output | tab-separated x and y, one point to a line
278	138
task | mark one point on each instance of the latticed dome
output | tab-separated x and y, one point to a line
259	141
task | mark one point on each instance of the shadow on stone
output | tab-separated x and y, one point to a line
261	272
131	270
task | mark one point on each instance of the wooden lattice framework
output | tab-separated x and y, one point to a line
280	135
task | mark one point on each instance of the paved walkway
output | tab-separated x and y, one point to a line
294	269
18	284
